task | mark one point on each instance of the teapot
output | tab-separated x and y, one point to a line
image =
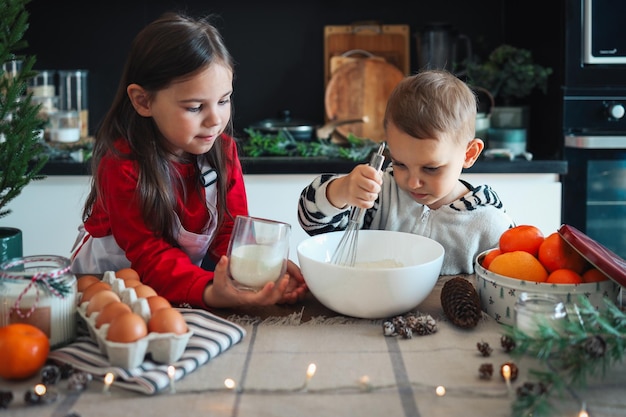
439	46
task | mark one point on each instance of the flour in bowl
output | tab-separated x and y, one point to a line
383	263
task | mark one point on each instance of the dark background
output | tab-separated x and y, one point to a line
278	47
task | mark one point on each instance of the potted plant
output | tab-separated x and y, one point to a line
22	154
510	75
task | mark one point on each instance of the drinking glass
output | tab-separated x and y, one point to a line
258	251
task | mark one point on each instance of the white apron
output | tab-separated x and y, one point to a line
93	255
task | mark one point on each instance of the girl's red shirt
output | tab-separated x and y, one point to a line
162	266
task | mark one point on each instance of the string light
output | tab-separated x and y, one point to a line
310	372
171	373
440	391
40	390
583	412
506	374
364	383
230	383
108	380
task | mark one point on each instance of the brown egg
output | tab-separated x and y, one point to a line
127	328
144	291
85	281
156	302
127	273
110	311
167	320
101	299
91	290
131	283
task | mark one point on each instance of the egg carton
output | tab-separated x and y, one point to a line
162	347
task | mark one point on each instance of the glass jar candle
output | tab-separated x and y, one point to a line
532	309
40	290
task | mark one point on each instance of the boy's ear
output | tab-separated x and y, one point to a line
473	151
139	99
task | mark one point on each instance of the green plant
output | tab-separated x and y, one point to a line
22	155
260	144
509	74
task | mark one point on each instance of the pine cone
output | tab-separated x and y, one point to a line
424	325
594	346
507	343
484	348
485	371
460	303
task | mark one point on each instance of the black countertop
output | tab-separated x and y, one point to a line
296	165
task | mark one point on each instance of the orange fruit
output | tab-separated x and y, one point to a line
490	256
519	264
564	276
594	275
24	350
525	238
555	253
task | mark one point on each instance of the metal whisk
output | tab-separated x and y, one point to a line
345	253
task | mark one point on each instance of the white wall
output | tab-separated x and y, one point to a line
49	211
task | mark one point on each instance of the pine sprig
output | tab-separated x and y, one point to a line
22	155
283	144
590	343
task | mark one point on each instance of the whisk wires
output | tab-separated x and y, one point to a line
345	254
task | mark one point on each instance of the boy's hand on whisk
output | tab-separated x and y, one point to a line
223	294
359	188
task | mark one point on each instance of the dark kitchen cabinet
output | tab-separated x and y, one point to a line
278	47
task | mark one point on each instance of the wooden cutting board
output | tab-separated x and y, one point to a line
358	89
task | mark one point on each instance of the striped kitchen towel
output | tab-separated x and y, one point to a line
212	335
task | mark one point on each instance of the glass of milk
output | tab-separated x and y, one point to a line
258	251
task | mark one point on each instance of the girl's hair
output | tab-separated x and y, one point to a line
169	49
433	104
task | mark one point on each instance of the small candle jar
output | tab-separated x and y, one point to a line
40	290
65	126
531	310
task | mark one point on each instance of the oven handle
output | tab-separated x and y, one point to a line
595	142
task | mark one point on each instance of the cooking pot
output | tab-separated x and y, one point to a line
438	46
299	129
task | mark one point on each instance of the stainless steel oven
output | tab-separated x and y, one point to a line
594	121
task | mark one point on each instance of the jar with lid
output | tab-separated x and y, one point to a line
73	96
41	291
43	84
534	309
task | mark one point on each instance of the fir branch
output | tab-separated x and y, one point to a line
283	144
591	342
22	155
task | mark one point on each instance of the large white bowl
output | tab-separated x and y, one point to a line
365	291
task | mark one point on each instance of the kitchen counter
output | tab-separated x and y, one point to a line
281	165
359	371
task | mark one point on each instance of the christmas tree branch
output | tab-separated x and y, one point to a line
589	344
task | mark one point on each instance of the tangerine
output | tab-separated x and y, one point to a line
524	237
24	350
490	256
555	253
519	264
564	276
594	275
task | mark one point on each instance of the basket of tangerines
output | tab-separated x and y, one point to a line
565	263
